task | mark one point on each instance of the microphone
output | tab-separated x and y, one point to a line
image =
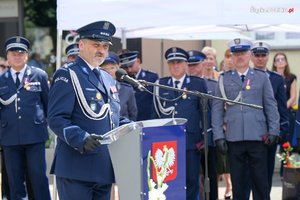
122	75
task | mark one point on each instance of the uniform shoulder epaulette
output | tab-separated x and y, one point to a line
195	77
226	72
125	84
38	69
68	64
259	70
212	80
150	72
165	78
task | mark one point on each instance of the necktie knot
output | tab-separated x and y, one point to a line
177	84
17	79
243	78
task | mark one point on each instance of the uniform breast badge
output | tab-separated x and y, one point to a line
248	85
93	105
98	96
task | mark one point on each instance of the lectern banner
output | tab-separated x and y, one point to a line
164	162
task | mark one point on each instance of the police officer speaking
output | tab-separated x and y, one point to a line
23	108
83	105
248	130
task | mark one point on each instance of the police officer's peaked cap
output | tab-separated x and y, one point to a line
260	48
72	49
239	44
101	31
128	58
195	57
112	58
17	43
176	53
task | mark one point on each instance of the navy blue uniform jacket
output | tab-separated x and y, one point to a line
188	106
144	99
24	120
72	126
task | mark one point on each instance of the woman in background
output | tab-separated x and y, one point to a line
281	65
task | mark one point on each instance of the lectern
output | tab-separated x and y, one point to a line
149	159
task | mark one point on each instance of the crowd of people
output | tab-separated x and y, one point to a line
84	100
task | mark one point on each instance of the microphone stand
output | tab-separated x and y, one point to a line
204	103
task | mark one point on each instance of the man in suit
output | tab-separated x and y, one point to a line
182	105
83	105
130	62
249	131
23	110
259	58
126	92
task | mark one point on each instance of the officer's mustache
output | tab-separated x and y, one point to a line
100	54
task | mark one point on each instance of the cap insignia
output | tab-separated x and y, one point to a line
106	25
237	41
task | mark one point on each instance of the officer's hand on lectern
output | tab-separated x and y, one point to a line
222	146
271	139
92	142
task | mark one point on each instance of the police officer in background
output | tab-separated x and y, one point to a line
259	58
195	61
249	131
130	62
72	51
126	92
24	98
182	105
83	105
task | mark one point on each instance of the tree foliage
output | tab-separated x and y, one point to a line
40	13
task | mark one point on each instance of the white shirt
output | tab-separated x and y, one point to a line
180	81
21	74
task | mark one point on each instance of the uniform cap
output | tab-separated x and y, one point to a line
239	44
112	58
176	53
128	58
101	31
72	49
195	57
260	48
17	43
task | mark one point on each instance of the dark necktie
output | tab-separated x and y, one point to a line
243	78
17	79
97	73
177	83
